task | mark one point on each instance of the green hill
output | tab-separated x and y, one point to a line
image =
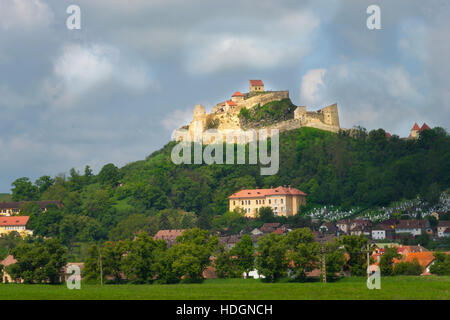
366	169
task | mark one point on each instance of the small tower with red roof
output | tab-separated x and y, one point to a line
237	96
416	130
256	86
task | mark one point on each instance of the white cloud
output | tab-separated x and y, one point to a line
79	69
178	118
285	39
311	82
24	14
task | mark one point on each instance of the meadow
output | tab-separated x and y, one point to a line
392	288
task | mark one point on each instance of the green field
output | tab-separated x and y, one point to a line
223	289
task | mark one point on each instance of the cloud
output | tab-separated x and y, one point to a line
373	97
177	118
24	14
80	69
311	82
285	39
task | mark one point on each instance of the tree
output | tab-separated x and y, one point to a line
356	247
244	250
387	260
302	252
132	225
407	268
43	183
141	264
226	264
113	258
109	175
441	266
38	262
24	190
192	253
266	214
271	259
88	174
91	271
334	259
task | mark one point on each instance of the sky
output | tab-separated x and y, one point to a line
114	90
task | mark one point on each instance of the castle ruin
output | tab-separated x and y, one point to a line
224	116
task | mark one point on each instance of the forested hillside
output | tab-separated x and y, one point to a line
365	169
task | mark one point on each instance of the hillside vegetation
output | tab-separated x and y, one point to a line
365	170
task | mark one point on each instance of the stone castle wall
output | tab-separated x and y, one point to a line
226	117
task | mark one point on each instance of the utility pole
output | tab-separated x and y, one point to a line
101	266
324	266
368	261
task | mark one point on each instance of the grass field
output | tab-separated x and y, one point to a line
224	289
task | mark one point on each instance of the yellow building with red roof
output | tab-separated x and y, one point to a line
284	201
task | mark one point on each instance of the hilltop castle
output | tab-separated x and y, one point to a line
225	115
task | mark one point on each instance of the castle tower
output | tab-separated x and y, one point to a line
331	115
300	113
256	86
198	124
237	97
415	131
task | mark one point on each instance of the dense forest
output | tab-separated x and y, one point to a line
352	168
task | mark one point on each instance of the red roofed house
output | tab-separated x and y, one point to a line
237	96
284	201
9	260
256	86
170	236
443	228
416	130
15	223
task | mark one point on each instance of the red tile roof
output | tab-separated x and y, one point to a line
256	83
424	258
257	193
9	260
425	127
237	94
231	103
415	127
388	135
168	234
14	221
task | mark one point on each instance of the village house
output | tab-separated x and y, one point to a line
382	232
443	228
6	278
15	223
328	228
344	226
170	236
284	201
413	227
13	208
270	227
